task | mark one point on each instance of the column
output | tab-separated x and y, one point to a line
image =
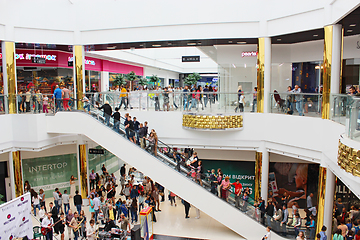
329	201
9	75
258	165
79	75
83	170
263	74
16	174
332	65
265	174
105	82
321	200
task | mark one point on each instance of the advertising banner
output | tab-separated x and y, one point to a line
15	221
294	181
242	170
48	173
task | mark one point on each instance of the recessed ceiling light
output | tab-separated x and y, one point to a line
279	39
169	43
315	35
191	44
111	47
230	41
352	25
350	30
241	42
156	45
199	43
141	45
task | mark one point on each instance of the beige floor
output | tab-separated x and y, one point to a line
171	221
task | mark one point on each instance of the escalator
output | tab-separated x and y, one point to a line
245	220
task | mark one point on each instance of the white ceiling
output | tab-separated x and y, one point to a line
164	58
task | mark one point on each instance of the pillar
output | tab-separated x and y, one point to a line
16	175
263	74
258	165
79	75
9	75
105	82
329	201
321	199
265	174
83	170
332	65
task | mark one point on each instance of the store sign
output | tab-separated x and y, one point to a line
191	59
249	54
96	151
215	79
87	61
48	173
38	60
29	56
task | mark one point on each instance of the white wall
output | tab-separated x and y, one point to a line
149	71
94	22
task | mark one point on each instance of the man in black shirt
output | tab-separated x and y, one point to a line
123	170
136	129
116	117
107	112
130	128
142	136
77	201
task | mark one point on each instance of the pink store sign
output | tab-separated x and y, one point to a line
60	59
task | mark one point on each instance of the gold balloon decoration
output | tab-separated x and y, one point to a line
211	122
349	159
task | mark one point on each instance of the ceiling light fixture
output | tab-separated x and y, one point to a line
352	25
279	39
230	41
111	47
141	45
191	44
199	43
241	42
169	43
156	45
315	35
350	30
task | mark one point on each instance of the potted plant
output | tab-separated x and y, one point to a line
119	80
143	81
192	79
154	79
131	76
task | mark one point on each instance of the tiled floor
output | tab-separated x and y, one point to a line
172	225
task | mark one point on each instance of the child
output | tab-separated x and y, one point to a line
45	104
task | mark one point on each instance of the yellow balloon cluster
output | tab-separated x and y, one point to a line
212	122
349	159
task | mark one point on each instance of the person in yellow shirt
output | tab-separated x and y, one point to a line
123	98
110	221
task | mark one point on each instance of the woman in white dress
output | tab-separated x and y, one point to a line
72	185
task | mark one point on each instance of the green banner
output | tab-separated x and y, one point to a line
48	173
242	170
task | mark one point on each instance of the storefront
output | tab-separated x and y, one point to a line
58	70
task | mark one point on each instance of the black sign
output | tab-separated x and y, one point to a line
96	151
70	63
191	59
38	60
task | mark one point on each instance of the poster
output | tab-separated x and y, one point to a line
242	170
15	219
293	180
48	173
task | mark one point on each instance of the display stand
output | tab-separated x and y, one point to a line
146	224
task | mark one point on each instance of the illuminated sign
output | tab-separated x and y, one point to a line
29	56
87	61
191	58
249	54
38	60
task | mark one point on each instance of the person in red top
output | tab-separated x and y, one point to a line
238	188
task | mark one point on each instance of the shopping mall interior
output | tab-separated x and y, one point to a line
265	93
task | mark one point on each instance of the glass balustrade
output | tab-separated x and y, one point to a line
177	161
353	130
3	100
